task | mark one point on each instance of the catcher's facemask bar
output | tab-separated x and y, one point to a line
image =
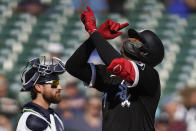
55	66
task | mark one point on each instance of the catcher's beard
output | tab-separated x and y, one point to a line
52	98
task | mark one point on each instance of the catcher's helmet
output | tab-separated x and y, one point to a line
151	46
39	71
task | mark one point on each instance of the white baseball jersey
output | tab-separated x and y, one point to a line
36	118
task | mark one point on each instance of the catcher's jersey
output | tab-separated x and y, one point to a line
190	119
128	106
36	118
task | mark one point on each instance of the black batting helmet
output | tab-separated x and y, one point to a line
151	46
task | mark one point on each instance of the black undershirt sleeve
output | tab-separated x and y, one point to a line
104	49
77	64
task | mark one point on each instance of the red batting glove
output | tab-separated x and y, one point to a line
89	21
122	68
109	29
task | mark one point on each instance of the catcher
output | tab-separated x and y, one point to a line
130	84
41	79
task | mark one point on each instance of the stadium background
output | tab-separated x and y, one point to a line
55	29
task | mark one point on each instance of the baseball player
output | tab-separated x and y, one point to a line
41	78
130	84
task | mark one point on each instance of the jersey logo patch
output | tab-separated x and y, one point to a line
123	94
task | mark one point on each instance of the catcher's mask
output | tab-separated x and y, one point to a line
40	71
150	50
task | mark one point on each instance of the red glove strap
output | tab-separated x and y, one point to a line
90	31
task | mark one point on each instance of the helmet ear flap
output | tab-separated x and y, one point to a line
132	49
146	51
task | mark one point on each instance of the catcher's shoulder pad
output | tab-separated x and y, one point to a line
35	123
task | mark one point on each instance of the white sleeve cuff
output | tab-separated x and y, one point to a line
136	75
93	77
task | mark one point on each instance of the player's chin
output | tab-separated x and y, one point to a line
57	98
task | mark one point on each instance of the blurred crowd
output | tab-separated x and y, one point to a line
178	111
80	108
37	7
181	8
80	111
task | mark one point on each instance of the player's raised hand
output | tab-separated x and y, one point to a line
89	21
109	29
123	69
